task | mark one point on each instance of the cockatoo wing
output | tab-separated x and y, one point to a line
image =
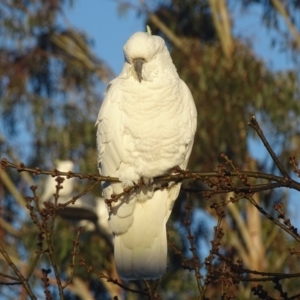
110	141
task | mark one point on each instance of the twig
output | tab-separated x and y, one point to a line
109	279
279	181
237	216
18	273
254	124
4	163
34	263
46	283
270	274
54	262
74	254
10	277
10	283
280	7
47	227
12	188
63	205
193	249
275	221
9	228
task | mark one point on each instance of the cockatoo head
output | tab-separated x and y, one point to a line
50	183
64	165
146	54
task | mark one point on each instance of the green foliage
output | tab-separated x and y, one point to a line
188	19
48	75
228	93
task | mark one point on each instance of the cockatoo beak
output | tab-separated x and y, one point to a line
138	66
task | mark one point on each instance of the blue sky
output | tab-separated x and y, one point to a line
100	20
109	30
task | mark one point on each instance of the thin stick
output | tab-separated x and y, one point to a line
254	124
18	273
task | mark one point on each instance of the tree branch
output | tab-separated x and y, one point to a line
254	124
279	6
222	25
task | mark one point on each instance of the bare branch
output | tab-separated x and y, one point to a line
12	188
254	124
222	25
279	6
20	277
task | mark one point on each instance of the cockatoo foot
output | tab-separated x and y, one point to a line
178	170
129	177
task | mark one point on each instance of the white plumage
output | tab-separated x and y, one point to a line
146	126
86	209
50	183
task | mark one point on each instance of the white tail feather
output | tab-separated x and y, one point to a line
141	252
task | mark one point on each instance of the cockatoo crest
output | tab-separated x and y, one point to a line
149	30
148	57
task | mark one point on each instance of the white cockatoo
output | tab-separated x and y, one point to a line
146	127
87	209
50	183
100	210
